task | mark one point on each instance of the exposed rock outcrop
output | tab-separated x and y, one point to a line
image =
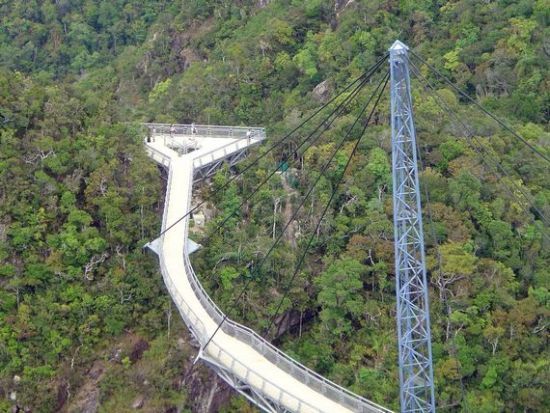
206	390
321	92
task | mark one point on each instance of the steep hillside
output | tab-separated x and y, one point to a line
85	321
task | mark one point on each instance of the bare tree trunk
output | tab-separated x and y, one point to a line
142	230
301	316
169	318
276	203
494	344
74	356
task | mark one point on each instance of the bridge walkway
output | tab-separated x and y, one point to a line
261	372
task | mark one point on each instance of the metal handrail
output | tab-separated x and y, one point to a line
275	355
269	351
192	320
243	140
199	163
163	159
297	370
206	130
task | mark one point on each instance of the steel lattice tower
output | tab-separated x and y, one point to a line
413	315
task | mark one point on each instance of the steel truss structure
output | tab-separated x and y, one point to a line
238	384
207	170
255	397
413	315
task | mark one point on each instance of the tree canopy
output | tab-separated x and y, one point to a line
79	198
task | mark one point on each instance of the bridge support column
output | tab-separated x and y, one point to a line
413	315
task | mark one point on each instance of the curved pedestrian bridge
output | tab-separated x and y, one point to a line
251	365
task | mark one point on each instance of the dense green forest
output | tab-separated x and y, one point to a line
85	321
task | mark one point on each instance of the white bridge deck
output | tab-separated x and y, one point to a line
261	372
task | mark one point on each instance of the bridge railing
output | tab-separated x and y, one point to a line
297	370
187	313
277	357
249	375
207	157
158	156
246	335
200	332
223	151
212	131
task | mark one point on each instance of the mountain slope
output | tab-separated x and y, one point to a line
79	198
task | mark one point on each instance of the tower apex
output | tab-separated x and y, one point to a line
398	47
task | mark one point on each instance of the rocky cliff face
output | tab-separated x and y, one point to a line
207	392
148	371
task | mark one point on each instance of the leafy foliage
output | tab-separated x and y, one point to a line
79	198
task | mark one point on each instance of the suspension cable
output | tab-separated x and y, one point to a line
312	187
333	194
478	147
338	111
310	144
439	259
367	74
469	134
481	108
